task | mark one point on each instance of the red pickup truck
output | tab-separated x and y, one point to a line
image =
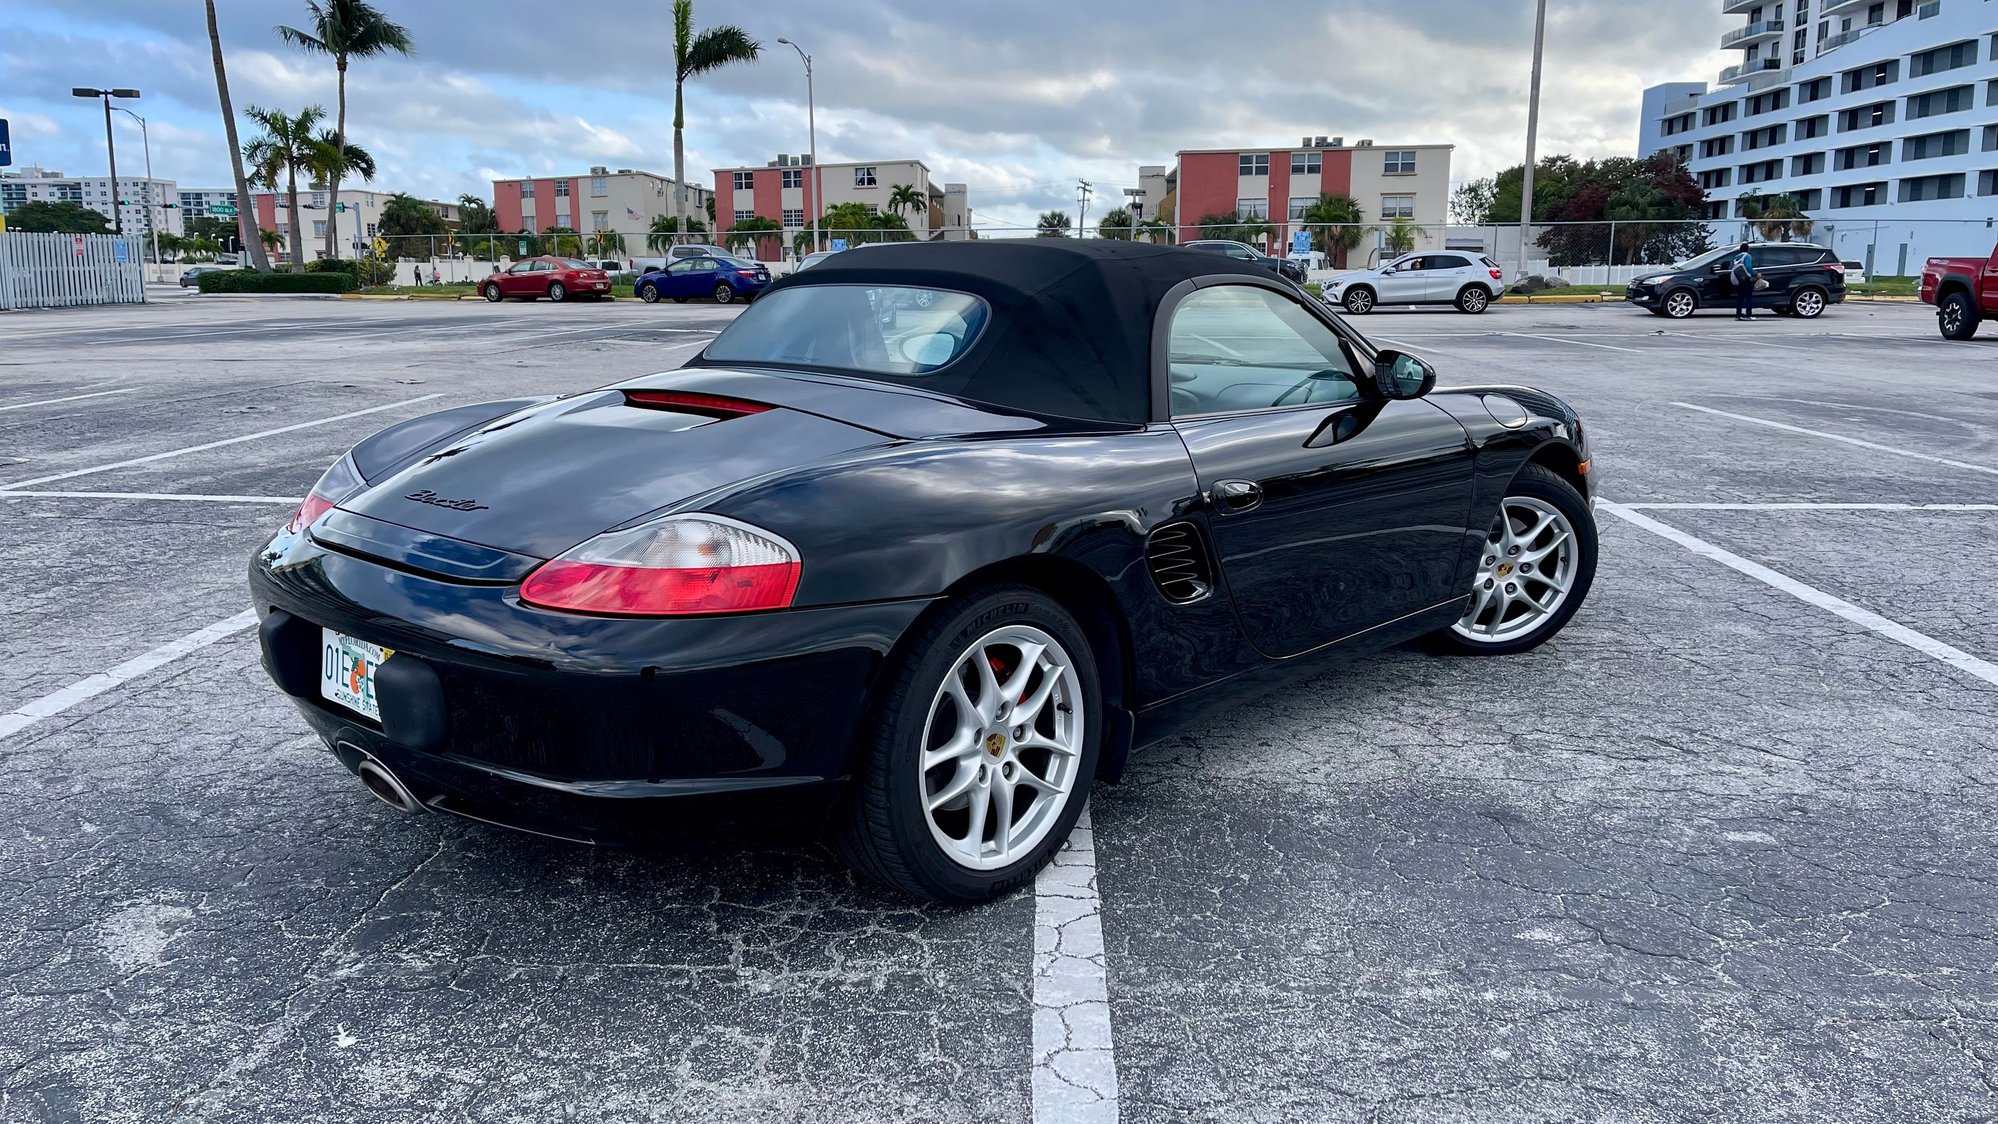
1964	291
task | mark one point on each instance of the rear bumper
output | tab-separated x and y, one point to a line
594	729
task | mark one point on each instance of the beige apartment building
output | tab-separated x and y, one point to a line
783	190
355	224
625	201
1389	181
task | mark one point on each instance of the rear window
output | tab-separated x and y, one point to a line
894	330
572	263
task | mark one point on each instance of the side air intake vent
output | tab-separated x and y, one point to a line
1178	561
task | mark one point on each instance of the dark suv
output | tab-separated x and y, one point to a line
1242	251
1803	280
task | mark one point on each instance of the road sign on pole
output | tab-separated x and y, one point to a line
1300	242
120	251
79	245
6	145
838	244
222	210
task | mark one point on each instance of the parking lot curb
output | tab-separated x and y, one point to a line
1567	299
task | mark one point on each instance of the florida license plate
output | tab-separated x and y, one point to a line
347	670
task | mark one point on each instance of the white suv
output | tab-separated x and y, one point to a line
1468	280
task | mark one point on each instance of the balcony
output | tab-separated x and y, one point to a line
1736	7
1842	38
1831	8
1761	31
1747	70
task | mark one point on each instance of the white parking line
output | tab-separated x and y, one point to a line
1577	343
1074	1069
12	493
55	702
1865	618
70	398
1803	506
1836	437
215	444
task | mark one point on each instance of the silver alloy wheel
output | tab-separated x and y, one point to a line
556	292
1808	304
724	293
493	293
649	293
1001	747
1359	302
1680	305
1524	574
1475	299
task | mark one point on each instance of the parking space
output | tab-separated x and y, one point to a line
1721	850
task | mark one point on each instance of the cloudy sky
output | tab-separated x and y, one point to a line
1015	98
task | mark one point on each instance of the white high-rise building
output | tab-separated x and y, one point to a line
143	199
1880	117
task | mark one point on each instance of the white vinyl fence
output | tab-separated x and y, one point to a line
60	270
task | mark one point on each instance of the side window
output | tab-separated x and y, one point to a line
1775	257
1241	252
1446	261
1241	347
685	265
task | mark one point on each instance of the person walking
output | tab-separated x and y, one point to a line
418	271
433	274
1742	273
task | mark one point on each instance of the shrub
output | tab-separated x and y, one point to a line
250	281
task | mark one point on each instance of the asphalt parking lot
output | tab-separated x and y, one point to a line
1721	851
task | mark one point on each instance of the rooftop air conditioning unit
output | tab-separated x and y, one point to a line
805	161
1318	141
624	171
1305	143
1338	142
1364	144
599	170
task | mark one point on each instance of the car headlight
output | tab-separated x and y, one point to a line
1655	280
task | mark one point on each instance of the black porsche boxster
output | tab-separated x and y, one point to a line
931	536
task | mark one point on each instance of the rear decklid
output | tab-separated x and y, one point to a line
539	481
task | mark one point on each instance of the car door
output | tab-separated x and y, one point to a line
1332	511
1447	274
1780	266
1403	282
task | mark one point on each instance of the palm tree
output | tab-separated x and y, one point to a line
751	231
246	212
1116	223
287	147
1337	226
346	30
904	198
1053	224
1775	217
693	56
664	227
606	243
1157	230
331	162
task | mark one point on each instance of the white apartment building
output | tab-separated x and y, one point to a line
1880	117
355	224
142	198
782	191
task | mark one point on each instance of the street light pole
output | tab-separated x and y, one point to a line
152	220
110	146
812	130
1532	134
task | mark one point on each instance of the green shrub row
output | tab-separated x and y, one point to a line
363	272
250	281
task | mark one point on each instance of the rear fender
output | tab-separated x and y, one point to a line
388	450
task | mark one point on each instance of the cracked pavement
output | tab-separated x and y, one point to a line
1713	854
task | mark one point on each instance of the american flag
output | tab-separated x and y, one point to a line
634	216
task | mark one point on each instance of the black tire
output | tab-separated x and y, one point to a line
1547	486
1808	303
1358	301
1956	317
557	292
1473	299
492	292
885	831
1679	304
1656	311
724	293
649	293
679	300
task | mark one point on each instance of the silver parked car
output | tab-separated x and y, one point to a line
1468	280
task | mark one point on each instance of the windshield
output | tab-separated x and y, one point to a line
572	263
1709	258
876	329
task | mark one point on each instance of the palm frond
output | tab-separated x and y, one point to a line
304	40
715	48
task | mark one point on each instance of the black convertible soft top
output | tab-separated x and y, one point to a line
1071	325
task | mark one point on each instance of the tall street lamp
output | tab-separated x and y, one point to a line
1532	135
110	148
812	126
152	219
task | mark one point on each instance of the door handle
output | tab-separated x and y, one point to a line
1232	496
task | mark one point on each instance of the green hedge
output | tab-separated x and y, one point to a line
250	281
363	272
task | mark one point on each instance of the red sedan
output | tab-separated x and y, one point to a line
558	279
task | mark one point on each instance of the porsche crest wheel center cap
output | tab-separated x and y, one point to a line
1504	569
995	744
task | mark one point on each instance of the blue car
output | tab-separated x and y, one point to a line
725	279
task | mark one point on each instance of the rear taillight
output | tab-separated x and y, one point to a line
1837	267
335	484
1498	275
681	565
747	272
716	406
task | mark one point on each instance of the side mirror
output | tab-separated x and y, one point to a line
1399	375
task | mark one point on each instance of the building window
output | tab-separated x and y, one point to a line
1809	164
1810	128
1865	156
1768	103
1809	200
1718	146
1858	195
1761	173
599	186
319	228
744	181
599	220
1943	58
1868	76
1817	89
1253	163
1306	163
1298	205
1717	177
1763	138
742	213
1987	183
792	177
1869	116
1397	206
561	189
1940	102
1253	208
1398	162
1719	114
527	189
794	217
864	177
1991	138
1921	189
1928	147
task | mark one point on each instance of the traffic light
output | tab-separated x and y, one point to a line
169	206
339	208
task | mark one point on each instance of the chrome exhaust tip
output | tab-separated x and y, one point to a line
386	786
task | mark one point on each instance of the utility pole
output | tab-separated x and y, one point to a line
1532	134
1083	190
110	146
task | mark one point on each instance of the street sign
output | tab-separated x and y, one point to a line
79	245
1300	242
381	247
6	145
119	251
838	244
523	247
222	210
